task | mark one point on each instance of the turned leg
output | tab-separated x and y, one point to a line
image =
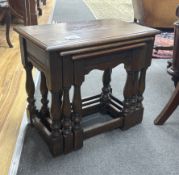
67	125
132	115
8	24
141	88
56	145
44	112
30	89
77	115
106	90
169	108
135	84
128	93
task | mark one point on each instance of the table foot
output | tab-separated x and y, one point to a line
77	116
56	145
132	119
78	139
68	143
133	90
67	123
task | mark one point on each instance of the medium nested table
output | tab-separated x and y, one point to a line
64	54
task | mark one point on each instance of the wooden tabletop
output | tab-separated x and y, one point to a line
66	36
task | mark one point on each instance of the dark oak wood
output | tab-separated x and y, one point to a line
30	88
106	90
69	53
72	36
67	123
44	111
103	127
76	118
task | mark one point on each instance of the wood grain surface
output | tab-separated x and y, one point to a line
67	36
12	92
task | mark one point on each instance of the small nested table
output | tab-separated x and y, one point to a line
64	54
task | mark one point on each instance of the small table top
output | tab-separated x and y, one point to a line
76	35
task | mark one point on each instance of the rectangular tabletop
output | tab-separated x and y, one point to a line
66	36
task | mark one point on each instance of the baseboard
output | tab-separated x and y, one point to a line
19	145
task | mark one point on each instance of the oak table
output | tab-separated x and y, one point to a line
64	54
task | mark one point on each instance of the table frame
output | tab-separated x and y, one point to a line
60	125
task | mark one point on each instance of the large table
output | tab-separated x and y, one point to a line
64	54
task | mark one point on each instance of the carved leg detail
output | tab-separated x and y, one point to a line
67	124
44	112
141	88
30	89
106	90
77	109
134	90
55	114
132	115
57	139
128	93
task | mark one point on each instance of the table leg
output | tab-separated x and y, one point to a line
56	145
106	90
67	125
169	108
141	88
132	112
44	112
30	89
77	115
128	93
134	90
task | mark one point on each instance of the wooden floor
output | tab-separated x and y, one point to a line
12	92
